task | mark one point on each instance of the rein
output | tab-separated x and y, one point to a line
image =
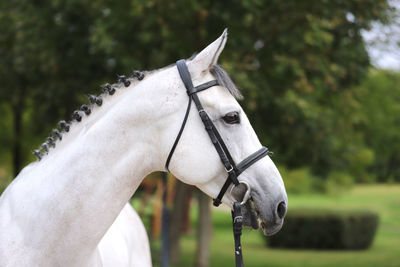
231	168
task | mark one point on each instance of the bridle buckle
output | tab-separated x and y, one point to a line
238	218
229	169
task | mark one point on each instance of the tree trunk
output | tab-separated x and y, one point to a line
186	212
203	231
176	223
17	126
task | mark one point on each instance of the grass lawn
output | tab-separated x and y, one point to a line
385	251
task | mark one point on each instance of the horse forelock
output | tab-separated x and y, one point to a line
224	80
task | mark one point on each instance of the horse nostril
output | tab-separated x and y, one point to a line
281	210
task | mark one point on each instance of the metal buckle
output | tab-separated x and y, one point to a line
229	170
238	218
246	195
201	110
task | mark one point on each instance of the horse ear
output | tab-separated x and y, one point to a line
208	57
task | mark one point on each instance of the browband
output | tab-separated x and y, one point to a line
202	87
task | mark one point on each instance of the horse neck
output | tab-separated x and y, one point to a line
82	185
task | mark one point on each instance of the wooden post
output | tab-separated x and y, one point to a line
203	231
176	222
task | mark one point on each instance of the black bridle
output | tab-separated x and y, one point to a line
233	170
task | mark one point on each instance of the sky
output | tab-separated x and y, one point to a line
384	53
383	42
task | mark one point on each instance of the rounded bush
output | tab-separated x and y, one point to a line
326	229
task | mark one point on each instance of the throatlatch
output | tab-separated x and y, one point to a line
231	168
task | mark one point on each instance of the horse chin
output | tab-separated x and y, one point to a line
269	232
252	218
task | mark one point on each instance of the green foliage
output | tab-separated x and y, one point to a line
297	62
338	182
298	180
379	96
326	229
302	181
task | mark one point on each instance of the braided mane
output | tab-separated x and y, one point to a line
85	110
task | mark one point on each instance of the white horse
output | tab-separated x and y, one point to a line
59	210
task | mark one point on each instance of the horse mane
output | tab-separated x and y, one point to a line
109	89
78	115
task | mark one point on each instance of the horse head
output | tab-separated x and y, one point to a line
195	159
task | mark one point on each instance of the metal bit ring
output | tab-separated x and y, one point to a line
246	195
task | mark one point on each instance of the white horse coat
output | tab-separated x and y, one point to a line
126	242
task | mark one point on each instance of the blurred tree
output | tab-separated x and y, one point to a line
41	46
291	57
379	106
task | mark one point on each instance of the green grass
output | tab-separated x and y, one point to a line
385	251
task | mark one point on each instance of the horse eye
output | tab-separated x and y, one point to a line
232	117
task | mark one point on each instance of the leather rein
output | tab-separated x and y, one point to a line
233	170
